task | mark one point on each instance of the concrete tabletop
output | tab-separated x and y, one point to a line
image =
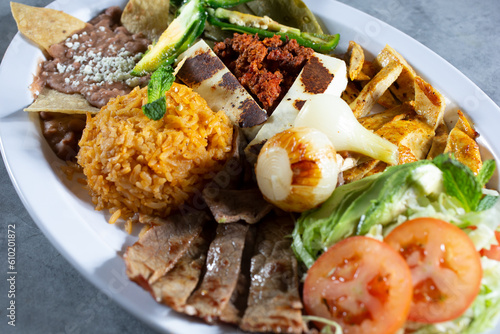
52	297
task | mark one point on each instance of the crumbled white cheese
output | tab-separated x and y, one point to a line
61	68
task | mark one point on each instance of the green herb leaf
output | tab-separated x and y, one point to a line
486	172
486	202
161	81
459	181
156	109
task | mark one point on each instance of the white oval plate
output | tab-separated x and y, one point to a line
63	210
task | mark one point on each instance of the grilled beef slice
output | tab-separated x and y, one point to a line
229	206
211	300
274	303
176	286
162	246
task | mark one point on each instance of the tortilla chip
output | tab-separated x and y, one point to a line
292	13
146	16
44	26
54	101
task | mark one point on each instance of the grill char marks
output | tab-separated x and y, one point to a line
206	74
162	246
246	275
274	303
230	206
212	297
176	286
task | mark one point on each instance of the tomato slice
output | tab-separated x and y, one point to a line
362	284
445	267
494	251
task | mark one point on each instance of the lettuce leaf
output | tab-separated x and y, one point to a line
443	189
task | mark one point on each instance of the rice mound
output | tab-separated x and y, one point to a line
137	165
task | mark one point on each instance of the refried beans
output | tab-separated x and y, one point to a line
265	68
96	61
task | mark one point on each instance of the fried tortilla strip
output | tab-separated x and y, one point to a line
54	101
360	171
412	136
223	265
274	303
350	93
463	146
44	26
429	103
387	100
464	125
403	89
146	16
376	121
176	286
207	75
356	58
369	69
159	249
374	89
439	142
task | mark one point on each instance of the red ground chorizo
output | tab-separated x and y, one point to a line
266	68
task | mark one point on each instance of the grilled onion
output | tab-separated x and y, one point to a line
297	169
333	116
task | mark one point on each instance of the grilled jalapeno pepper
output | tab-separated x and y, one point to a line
266	27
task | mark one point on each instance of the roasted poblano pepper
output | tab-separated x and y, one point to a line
266	27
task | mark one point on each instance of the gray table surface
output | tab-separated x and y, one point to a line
52	297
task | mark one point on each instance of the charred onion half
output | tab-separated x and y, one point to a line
297	169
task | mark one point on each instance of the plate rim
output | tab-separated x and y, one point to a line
83	268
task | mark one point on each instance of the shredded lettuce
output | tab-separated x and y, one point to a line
329	324
374	206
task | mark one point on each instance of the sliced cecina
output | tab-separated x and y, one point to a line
375	88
